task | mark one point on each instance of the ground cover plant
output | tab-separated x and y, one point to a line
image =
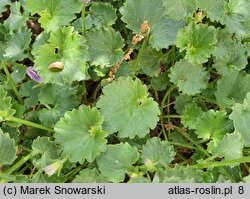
124	91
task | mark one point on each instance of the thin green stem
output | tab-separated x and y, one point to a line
224	163
182	145
168	113
140	53
173	55
83	19
28	123
172	116
96	92
19	164
12	84
73	172
203	151
162	112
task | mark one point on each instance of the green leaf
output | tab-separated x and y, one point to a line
157	151
63	97
191	115
213	125
8	149
165	32
56	13
127	108
179	174
230	147
3	3
198	41
17	45
237	16
135	12
150	61
102	14
105	46
5	105
60	99
18	73
189	78
47	150
49	117
179	9
90	176
230	55
180	102
161	82
232	88
213	8
17	19
30	92
241	118
68	48
80	134
116	161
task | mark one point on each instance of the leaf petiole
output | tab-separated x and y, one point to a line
28	123
12	84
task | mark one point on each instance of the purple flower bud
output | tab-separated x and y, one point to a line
51	169
32	73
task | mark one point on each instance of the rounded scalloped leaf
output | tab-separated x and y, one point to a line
158	151
241	118
191	115
198	40
237	16
179	9
67	48
230	54
179	174
48	151
5	105
17	45
213	125
232	88
164	33
105	46
56	13
102	14
8	149
127	108
213	8
116	161
189	78
135	12
90	176
230	147
18	17
80	135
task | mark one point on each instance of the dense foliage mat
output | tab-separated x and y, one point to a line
124	91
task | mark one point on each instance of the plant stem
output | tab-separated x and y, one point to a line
182	145
28	123
172	116
224	162
83	19
12	84
162	104
173	55
19	164
140	53
203	151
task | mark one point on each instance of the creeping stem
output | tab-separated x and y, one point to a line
28	123
12	84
